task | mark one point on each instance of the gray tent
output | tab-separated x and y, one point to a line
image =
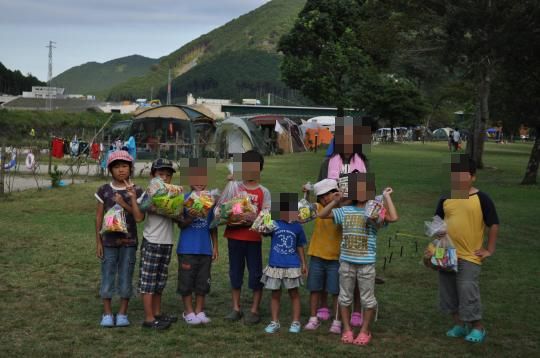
238	135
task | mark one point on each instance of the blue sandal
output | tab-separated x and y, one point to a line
458	331
476	336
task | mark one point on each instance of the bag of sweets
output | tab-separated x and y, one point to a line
239	211
263	223
306	211
375	209
441	253
199	204
114	220
164	199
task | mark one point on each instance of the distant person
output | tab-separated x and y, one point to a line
451	140
467	213
117	250
456	139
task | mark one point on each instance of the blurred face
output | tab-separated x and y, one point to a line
164	174
250	170
120	170
325	199
364	192
460	183
288	215
351	137
197	178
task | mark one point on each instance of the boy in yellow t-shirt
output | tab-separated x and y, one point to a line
324	247
467	213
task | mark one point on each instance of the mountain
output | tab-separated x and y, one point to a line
94	77
14	82
218	63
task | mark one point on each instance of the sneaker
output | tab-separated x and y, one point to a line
201	316
156	324
356	319
107	320
295	327
312	324
323	314
234	316
335	327
167	317
191	319
273	327
122	320
252	318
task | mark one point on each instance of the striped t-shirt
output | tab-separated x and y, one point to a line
359	243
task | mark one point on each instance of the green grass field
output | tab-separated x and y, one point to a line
50	276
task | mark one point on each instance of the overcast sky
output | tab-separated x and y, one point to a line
102	30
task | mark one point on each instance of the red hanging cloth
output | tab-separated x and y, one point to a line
57	148
94	152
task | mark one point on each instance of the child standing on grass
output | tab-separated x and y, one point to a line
197	248
243	244
323	250
117	251
467	213
358	251
287	263
156	255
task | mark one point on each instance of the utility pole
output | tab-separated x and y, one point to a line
269	98
169	88
48	100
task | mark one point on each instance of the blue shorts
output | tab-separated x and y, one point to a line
242	253
323	275
117	266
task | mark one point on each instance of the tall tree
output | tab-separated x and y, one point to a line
324	58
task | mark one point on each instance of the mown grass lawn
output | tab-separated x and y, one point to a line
50	277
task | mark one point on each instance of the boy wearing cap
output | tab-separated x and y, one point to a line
117	250
156	252
323	275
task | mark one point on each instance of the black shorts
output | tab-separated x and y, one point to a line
194	274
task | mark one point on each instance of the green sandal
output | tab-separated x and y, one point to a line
476	336
458	331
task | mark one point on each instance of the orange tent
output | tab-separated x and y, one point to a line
324	136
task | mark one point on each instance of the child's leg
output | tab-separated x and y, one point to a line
324	299
237	258
448	296
314	297
347	282
357	307
274	305
188	304
315	284
107	306
295	302
156	304
109	269
366	285
202	282
186	280
199	303
335	305
126	266
148	307
468	290
254	264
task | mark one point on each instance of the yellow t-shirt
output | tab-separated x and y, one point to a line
466	220
326	238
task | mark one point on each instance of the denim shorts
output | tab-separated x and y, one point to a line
117	268
242	253
323	275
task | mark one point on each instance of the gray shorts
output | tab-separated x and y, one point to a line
351	274
460	292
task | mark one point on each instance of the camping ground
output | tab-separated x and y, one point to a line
50	275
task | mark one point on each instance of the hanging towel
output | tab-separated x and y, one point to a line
57	150
94	152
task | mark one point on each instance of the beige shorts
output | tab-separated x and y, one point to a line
349	275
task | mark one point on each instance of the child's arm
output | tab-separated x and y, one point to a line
491	244
99	222
301	254
184	221
326	212
213	235
138	215
391	212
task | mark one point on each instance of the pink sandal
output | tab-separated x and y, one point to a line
323	314
356	319
347	337
362	339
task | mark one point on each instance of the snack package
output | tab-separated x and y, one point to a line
375	209
263	223
238	211
164	199
114	220
442	255
306	211
199	204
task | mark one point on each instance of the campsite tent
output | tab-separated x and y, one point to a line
238	135
324	121
172	131
442	133
280	133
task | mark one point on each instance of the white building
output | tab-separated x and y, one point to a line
212	104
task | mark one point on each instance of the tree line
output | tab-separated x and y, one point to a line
14	82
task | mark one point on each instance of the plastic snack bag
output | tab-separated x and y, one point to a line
441	253
306	211
375	209
239	211
164	199
199	204
263	223
114	220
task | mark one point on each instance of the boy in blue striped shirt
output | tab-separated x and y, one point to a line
358	250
